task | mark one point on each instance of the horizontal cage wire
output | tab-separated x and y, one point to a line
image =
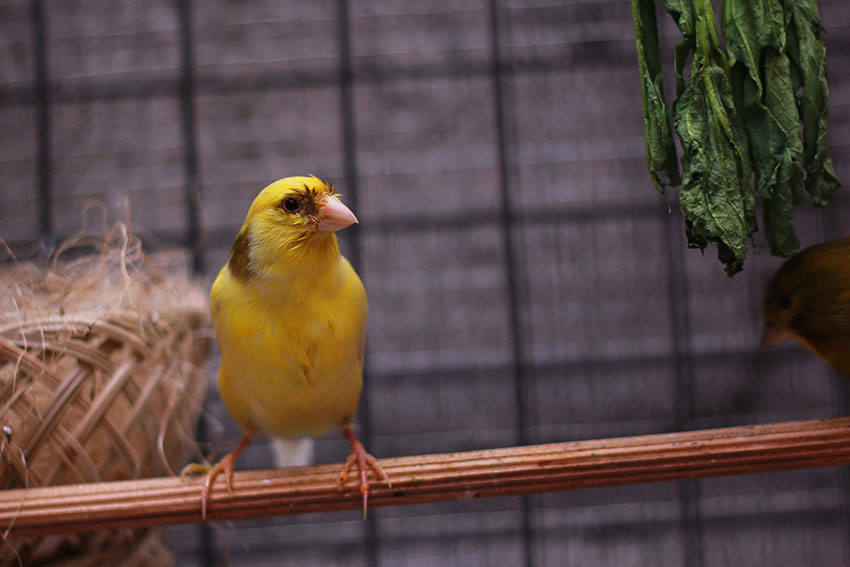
526	283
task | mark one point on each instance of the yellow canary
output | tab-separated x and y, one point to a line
290	318
808	299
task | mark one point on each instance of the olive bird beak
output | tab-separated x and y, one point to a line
333	215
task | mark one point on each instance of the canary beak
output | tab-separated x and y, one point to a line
333	215
773	334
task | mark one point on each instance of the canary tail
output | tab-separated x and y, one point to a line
292	452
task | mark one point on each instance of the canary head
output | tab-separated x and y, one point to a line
808	299
300	207
287	218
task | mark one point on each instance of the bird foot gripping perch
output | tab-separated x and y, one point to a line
226	465
359	456
364	462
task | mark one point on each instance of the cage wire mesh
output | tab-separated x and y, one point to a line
526	282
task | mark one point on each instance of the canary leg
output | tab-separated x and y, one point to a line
364	461
225	465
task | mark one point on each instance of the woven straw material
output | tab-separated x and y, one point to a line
99	381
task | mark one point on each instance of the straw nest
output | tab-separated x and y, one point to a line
99	381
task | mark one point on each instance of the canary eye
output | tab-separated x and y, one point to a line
785	302
291	204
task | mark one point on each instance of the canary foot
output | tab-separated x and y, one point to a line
364	461
226	465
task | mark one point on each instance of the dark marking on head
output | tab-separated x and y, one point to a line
240	257
307	198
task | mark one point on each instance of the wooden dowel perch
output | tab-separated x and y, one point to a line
432	478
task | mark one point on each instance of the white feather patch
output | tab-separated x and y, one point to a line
292	452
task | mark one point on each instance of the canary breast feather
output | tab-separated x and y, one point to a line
291	362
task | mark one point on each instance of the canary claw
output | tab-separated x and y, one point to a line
193	469
364	462
225	465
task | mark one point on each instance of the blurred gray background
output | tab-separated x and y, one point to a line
526	281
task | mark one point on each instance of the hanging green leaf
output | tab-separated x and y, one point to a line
768	117
683	13
660	150
752	119
808	54
715	198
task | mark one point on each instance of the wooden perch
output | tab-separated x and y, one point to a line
432	478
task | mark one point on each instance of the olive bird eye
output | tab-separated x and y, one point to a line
784	302
291	204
